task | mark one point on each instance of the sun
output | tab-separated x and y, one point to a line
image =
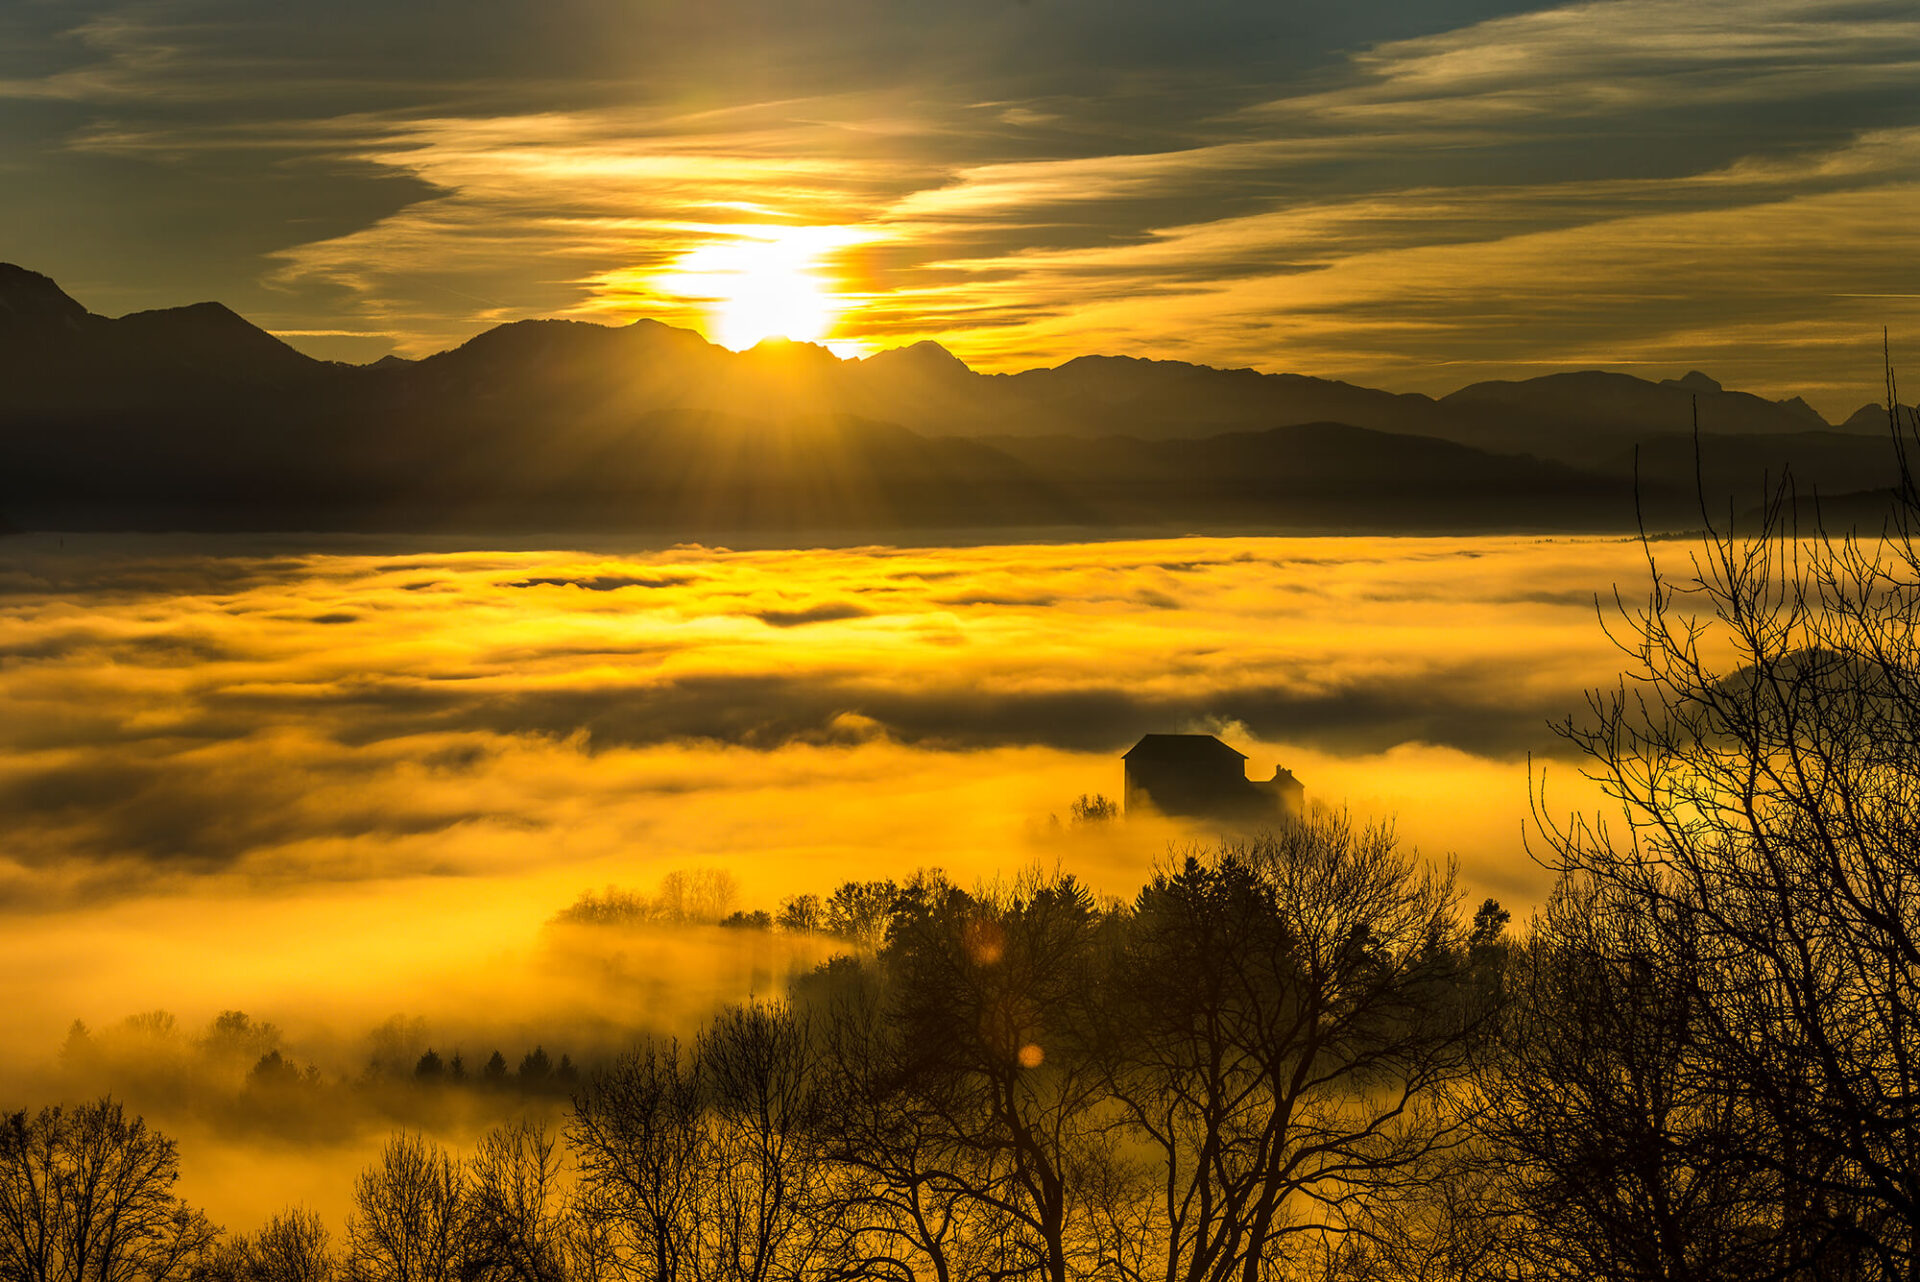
760	283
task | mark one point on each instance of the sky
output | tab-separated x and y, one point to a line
1413	194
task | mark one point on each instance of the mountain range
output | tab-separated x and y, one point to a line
193	418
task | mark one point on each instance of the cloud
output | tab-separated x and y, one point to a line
605	582
1021	182
180	716
212	801
825	612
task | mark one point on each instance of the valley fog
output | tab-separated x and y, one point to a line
348	789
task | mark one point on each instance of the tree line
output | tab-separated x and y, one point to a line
1020	1081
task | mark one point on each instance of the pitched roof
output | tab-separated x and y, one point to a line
1180	747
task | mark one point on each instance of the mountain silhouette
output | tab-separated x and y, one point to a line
192	417
1574	415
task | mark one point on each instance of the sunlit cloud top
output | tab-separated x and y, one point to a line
1409	194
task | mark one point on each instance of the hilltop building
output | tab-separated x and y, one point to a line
1197	776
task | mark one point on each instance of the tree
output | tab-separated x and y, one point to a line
758	919
1622	1159
860	911
802	914
517	1222
697	896
763	1170
638	1135
494	1071
234	1039
536	1066
1764	753
1289	1017
408	1222
1094	809
87	1196
990	993
79	1049
293	1246
273	1072
904	1198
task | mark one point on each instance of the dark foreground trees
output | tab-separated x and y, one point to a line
1231	1078
1765	752
293	1246
86	1195
1224	1080
1286	1029
1615	1157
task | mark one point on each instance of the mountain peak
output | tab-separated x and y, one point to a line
199	316
28	298
922	362
779	347
925	354
1798	405
1693	381
1871	417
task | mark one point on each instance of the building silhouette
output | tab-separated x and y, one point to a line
1197	776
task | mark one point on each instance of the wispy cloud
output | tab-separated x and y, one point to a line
1588	181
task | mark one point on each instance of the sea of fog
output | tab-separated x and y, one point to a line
345	786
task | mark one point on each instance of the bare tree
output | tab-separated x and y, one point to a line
518	1224
293	1246
802	914
1764	750
638	1133
1623	1157
903	1200
1290	1019
409	1216
764	1173
87	1196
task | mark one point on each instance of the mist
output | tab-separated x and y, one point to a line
348	792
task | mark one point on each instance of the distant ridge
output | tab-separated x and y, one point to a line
29	300
192	417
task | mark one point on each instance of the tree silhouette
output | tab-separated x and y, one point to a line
802	914
990	994
860	911
518	1224
757	1067
273	1072
1762	750
87	1194
1288	1019
1624	1158
408	1222
639	1136
535	1068
293	1246
905	1198
1097	808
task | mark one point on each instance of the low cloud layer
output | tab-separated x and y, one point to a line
178	714
348	789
